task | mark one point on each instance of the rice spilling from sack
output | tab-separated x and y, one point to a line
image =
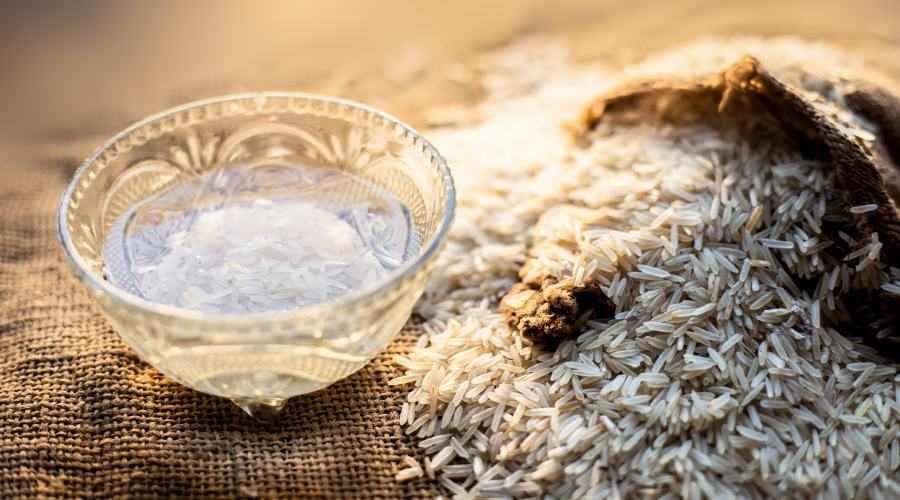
717	377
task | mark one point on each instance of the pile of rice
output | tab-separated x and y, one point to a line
718	376
258	256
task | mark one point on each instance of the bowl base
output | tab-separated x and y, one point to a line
263	410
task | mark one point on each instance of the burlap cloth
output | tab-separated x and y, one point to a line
81	416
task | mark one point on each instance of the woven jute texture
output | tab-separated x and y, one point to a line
81	416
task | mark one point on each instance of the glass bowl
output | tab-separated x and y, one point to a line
258	359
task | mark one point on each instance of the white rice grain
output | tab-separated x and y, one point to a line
861	209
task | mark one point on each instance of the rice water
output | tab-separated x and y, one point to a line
253	238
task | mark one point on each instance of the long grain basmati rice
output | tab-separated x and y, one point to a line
718	376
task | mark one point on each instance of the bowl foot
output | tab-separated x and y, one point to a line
263	410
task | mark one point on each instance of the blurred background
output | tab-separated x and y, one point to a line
72	69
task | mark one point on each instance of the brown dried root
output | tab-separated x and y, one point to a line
550	311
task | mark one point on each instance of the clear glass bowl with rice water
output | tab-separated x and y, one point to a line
259	246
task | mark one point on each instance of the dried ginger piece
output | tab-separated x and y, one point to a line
542	306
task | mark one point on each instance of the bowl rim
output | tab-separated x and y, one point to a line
321	310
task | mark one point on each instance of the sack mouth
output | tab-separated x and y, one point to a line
747	101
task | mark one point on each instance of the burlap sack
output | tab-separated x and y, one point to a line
747	101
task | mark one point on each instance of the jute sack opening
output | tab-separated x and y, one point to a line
750	104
